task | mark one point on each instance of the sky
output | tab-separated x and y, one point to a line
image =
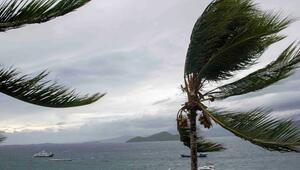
134	51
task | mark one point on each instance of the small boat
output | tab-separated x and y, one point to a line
207	167
60	159
201	155
185	156
43	154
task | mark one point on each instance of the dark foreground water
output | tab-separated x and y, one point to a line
240	155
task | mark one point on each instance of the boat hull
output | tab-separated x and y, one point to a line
44	156
188	156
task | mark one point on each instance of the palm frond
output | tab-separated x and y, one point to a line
229	36
40	92
279	69
259	128
16	13
203	145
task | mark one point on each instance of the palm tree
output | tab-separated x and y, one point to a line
230	36
36	90
203	145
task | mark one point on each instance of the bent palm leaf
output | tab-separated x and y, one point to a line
259	128
280	69
16	13
229	36
40	92
203	145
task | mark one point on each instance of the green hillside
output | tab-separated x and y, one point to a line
162	136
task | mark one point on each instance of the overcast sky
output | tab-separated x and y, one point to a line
132	49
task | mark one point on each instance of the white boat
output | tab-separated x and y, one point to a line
207	167
43	154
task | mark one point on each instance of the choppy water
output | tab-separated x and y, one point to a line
240	155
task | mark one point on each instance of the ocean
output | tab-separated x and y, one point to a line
240	155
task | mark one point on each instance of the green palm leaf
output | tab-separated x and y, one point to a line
229	36
203	145
259	128
279	69
16	13
40	92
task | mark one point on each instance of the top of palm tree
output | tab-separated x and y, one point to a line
17	13
230	36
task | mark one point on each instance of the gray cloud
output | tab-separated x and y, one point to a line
135	51
97	129
161	101
61	123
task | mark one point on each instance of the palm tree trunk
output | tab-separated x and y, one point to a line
193	137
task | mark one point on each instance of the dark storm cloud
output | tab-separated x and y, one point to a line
116	69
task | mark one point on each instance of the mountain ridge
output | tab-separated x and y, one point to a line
161	136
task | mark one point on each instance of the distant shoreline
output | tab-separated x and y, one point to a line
162	136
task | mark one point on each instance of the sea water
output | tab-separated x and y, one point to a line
240	155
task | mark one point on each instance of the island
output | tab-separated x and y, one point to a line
162	136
